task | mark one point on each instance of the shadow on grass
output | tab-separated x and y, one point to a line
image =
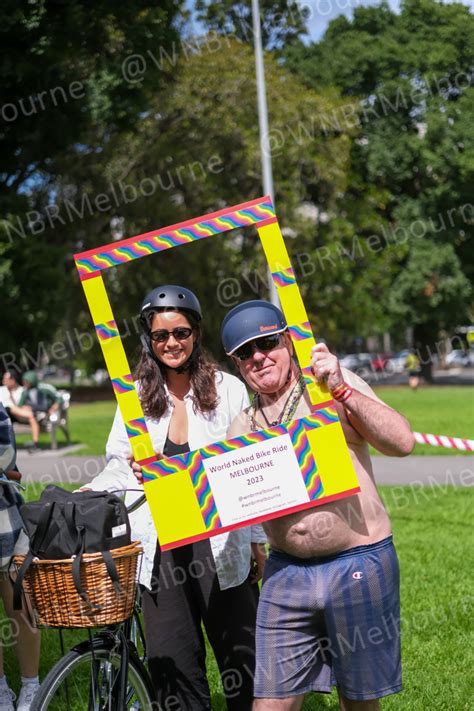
312	702
218	702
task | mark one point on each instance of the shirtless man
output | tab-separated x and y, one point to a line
329	608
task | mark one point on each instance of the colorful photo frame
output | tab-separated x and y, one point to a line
317	441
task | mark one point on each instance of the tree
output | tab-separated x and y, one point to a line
196	151
67	80
428	294
67	92
282	21
412	75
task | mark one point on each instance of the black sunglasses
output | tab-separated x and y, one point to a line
179	334
264	344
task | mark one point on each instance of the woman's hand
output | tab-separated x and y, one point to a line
137	468
257	564
325	366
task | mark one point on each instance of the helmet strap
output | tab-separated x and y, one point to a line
146	343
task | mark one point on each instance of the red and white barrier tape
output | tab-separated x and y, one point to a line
467	445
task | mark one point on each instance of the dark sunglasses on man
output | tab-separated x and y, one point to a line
181	333
263	344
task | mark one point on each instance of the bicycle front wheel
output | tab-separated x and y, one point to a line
88	679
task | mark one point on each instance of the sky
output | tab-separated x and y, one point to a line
321	12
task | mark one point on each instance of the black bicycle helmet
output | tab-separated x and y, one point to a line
249	320
170	297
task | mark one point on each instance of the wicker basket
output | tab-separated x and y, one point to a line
55	602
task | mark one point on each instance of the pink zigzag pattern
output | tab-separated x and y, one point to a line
308	374
191	462
286	277
301	331
106	330
114	254
205	498
209	513
325	416
201	484
123	384
214	522
243	441
136	427
305	459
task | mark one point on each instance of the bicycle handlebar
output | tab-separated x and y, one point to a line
137	503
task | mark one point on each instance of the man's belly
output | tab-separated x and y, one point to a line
329	528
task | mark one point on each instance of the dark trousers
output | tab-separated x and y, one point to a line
189	595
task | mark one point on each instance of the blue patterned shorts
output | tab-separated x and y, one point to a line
330	621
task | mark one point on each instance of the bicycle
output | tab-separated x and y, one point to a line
107	672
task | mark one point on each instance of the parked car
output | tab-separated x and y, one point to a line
379	362
359	363
459	358
365	358
396	364
350	361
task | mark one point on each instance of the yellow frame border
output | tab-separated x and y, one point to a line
331	446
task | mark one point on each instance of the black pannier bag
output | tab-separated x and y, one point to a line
65	525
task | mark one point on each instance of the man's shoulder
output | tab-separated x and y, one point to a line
49	392
47	388
358	383
354	380
240	424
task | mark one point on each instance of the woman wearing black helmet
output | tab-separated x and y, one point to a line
188	403
170	320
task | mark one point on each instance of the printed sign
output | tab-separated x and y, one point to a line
249	479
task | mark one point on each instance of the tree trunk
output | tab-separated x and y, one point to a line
424	337
426	372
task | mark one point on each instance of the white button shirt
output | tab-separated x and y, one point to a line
231	551
9	398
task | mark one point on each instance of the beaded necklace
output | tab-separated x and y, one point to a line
287	412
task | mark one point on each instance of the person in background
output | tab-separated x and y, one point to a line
188	404
24	638
37	401
11	391
412	365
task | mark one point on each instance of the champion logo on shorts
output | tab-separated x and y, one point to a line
358	575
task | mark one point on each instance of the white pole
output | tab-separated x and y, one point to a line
266	158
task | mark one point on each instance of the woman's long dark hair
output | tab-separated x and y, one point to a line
151	375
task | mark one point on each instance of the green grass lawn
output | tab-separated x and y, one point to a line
89	424
436	410
442	410
431	529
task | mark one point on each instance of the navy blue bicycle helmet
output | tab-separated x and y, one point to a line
250	320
